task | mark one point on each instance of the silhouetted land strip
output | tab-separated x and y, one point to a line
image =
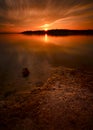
59	32
1	33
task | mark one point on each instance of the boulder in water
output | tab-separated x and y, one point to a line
25	72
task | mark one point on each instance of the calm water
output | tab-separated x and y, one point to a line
39	54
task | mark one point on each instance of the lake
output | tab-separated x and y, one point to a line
40	54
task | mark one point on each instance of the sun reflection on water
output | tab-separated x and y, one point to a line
46	38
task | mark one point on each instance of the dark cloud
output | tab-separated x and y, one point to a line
38	12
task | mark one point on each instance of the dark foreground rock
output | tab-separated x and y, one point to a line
25	72
65	102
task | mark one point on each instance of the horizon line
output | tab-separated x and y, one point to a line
6	32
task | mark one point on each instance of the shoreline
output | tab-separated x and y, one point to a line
64	102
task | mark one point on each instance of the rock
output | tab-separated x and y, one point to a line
25	72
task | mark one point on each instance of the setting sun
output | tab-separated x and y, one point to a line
46	29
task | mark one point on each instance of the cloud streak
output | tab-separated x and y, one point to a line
33	14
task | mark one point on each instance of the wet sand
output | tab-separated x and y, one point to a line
64	102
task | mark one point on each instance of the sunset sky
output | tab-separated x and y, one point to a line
20	15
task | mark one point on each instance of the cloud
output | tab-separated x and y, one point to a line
36	13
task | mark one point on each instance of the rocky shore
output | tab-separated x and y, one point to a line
64	102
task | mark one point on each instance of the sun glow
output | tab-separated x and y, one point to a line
45	27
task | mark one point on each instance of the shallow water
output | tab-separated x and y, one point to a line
39	54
